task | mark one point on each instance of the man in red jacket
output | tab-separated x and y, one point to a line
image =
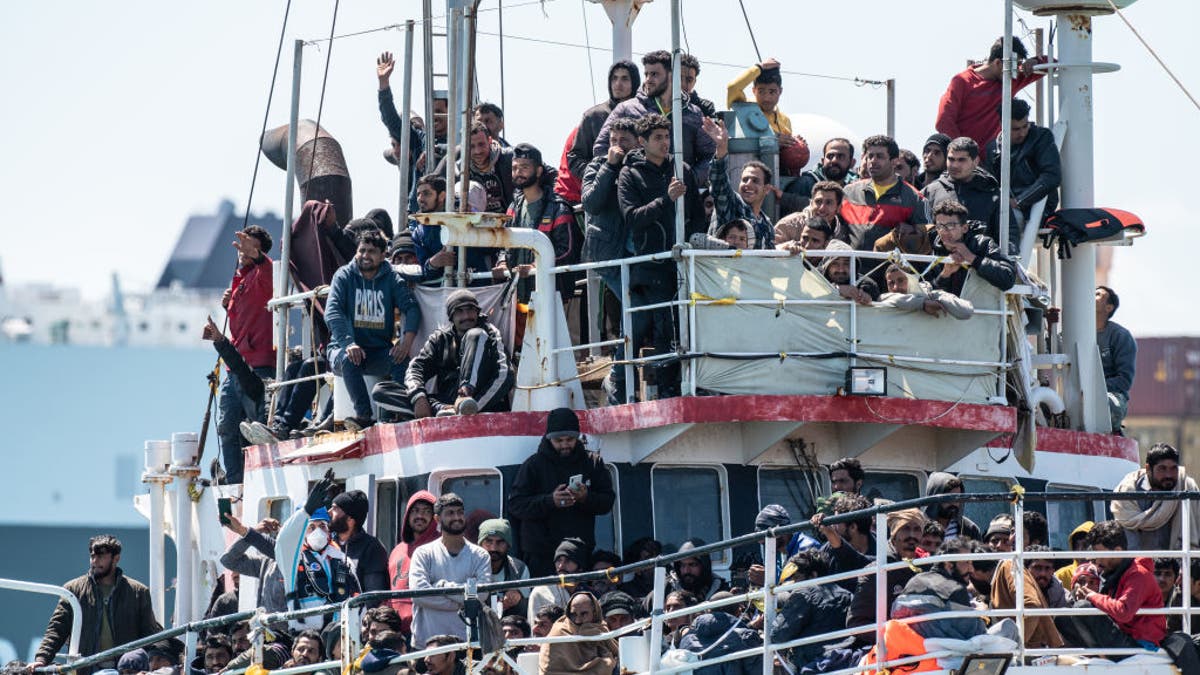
1128	586
245	302
970	105
418	529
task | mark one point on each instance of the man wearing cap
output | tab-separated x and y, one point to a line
365	554
558	492
466	361
786	545
999	533
933	157
449	561
571	557
905	528
363	298
496	537
620	609
536	206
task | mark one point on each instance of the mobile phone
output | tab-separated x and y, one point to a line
224	509
575	483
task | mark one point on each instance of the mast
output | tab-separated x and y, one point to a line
621	13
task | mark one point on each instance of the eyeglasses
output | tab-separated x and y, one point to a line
947	226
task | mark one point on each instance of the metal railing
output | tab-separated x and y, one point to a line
348	611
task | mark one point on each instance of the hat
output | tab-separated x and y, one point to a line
562	423
940	140
320	514
1085	570
575	549
618	602
460	298
1001	524
898	519
403	243
382	220
355	504
136	660
772	515
527	151
495	527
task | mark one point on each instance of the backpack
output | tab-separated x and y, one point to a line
1071	227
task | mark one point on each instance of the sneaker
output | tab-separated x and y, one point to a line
357	423
257	433
446	412
466	405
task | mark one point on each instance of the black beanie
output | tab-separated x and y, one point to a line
383	221
460	298
941	140
562	422
575	549
355	504
772	515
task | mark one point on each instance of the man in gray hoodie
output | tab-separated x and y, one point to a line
363	298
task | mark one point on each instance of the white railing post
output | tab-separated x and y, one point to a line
770	577
1018	572
881	603
64	595
189	649
627	330
1185	522
690	364
591	298
656	620
158	459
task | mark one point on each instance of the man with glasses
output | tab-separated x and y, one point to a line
967	249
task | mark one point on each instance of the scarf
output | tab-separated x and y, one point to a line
1131	516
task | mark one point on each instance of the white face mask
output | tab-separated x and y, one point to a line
317	540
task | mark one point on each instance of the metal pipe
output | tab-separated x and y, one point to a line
1079	271
881	603
158	457
468	84
1039	91
627	331
454	76
1018	571
770	581
184	469
289	200
678	159
891	107
405	140
1005	148
621	13
1185	523
427	57
64	595
656	617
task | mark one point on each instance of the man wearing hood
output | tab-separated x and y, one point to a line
571	557
418	528
747	202
1076	541
583	617
447	562
836	270
694	574
967	249
490	165
655	98
905	528
949	514
363	298
558	492
466	361
496	537
623	82
969	185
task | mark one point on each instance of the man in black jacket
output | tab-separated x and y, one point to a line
366	555
558	492
116	609
1035	163
966	248
606	237
623	82
969	185
810	611
649	193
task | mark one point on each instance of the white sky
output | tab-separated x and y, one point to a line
121	119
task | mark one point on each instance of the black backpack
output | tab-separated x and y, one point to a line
1071	227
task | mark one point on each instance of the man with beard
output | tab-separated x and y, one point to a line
365	554
1042	571
558	492
933	157
875	204
537	207
496	537
837	159
417	529
364	296
1118	355
1035	162
1151	524
571	557
491	116
848	545
694	574
583	657
745	204
907	165
606	237
466	361
982	572
810	611
1039	630
971	186
1128	586
905	528
655	98
949	514
943	588
490	165
116	609
450	561
689	73
623	83
432	255
967	248
837	272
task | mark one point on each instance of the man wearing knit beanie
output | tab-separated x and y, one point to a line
558	492
367	556
933	155
496	537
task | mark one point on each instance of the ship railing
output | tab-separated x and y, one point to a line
350	610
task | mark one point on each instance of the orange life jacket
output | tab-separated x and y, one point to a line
902	642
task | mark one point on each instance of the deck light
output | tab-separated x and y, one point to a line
863	381
985	664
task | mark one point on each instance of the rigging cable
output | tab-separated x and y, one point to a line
324	80
1155	55
751	29
400	26
266	113
587	36
500	9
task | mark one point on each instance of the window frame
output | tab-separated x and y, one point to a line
437	477
1052	486
724	558
821	472
615	476
394	484
922	477
265	505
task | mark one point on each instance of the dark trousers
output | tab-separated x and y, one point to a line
1093	631
296	399
655	327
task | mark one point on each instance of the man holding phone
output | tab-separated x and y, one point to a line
558	493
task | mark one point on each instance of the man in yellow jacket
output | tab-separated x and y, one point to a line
768	87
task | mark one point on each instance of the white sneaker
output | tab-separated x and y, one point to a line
257	433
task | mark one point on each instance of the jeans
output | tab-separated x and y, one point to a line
378	362
233	408
295	400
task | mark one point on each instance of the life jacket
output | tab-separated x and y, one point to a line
314	587
1072	227
902	642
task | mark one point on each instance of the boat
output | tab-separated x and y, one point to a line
762	430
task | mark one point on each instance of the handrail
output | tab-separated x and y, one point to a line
64	594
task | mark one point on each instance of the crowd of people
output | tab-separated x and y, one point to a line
555	498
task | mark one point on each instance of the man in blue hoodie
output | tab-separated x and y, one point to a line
363	298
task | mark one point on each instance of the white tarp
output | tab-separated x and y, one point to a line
499	306
818	330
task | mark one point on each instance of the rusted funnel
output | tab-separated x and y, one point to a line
320	165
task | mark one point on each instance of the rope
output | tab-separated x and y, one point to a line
1155	55
587	36
436	17
321	103
266	113
751	30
